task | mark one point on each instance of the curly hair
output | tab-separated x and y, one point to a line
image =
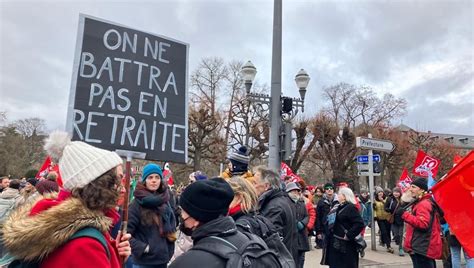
102	193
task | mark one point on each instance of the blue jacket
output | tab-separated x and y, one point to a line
366	212
160	249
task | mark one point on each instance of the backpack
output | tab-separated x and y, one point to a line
253	253
263	227
86	232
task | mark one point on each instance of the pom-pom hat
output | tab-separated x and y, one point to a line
79	162
240	159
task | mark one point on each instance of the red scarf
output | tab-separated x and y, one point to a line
234	210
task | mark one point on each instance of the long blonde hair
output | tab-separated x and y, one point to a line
246	191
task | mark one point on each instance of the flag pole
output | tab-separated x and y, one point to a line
126	201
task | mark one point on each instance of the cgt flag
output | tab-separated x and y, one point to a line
454	195
425	164
404	181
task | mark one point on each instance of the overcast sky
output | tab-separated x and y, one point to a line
419	50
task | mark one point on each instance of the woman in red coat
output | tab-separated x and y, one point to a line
72	230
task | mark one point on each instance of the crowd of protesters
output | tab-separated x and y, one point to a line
199	225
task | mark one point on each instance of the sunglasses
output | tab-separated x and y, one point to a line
328	188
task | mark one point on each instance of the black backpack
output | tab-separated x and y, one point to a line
86	232
254	253
263	227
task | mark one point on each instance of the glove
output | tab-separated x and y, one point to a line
300	226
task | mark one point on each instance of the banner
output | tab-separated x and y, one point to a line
454	195
405	181
129	91
425	164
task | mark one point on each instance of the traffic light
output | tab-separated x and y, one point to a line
376	167
287	105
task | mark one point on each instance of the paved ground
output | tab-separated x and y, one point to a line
373	259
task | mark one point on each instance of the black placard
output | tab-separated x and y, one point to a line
129	91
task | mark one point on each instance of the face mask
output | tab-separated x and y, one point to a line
185	230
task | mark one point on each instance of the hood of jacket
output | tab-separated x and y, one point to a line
35	237
10	193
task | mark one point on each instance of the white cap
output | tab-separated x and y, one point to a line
79	162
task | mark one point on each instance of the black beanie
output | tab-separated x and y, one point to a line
421	182
206	200
32	181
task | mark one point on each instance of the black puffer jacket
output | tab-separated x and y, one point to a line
223	227
276	206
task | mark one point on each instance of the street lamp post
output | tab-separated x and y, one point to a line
286	107
274	101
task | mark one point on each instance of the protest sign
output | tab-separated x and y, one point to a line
129	91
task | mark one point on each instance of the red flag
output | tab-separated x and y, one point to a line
457	158
404	181
285	170
43	171
168	175
454	195
47	167
424	164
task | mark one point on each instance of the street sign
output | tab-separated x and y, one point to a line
363	169
365	158
374	144
366	173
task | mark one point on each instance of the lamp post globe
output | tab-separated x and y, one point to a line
302	80
248	73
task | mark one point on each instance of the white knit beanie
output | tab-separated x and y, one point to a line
79	162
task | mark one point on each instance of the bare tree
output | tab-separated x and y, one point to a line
207	81
305	142
30	126
205	141
350	111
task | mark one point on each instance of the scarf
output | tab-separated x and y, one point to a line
235	209
158	204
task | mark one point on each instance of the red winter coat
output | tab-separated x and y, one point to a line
83	252
30	235
423	230
311	214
